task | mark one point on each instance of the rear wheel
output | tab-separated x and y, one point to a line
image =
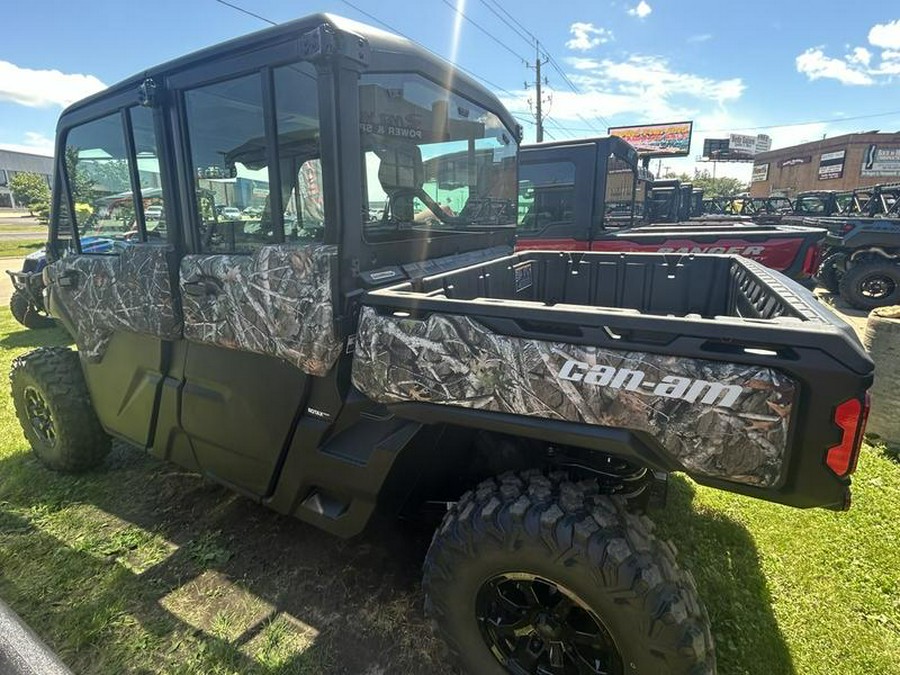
24	311
538	574
55	411
830	270
871	283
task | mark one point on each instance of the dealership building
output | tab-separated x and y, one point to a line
11	163
838	163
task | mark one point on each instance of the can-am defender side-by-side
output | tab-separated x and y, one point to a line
367	340
588	194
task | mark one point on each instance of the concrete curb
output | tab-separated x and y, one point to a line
21	650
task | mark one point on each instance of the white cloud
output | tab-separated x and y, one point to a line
857	67
885	35
702	37
44	88
639	89
34	143
816	65
860	55
587	36
641	10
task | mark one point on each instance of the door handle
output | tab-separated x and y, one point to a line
201	288
68	279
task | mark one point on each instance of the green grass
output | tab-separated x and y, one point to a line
19	248
10	225
142	568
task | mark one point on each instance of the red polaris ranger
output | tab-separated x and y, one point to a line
589	195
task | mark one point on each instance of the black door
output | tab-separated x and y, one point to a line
112	286
256	284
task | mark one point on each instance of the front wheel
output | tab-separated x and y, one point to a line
538	574
830	271
24	311
871	283
54	408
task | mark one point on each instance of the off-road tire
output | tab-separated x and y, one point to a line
26	313
829	273
53	376
853	280
569	533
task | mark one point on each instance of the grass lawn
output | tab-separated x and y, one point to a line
19	248
143	568
26	226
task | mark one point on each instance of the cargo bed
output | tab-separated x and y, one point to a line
709	364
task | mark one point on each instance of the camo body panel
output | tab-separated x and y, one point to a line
277	301
131	291
454	360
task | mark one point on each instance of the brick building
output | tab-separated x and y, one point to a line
838	163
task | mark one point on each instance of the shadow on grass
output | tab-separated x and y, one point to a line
232	587
723	558
52	336
229	572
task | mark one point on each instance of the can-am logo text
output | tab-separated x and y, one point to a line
670	386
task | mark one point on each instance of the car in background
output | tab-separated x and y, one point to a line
231	213
154	212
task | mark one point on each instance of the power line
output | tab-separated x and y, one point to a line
246	11
759	128
402	34
486	32
529	37
379	22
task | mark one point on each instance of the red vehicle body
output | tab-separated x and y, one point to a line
589	195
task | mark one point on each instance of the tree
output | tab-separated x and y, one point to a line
81	185
29	189
714	187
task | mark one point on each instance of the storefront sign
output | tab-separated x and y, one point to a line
881	161
831	165
760	173
794	161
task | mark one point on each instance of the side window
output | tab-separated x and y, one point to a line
297	123
546	196
619	200
152	200
226	130
99	181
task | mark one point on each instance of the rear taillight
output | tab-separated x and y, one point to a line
847	227
850	417
811	261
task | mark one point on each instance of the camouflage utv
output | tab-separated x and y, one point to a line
333	322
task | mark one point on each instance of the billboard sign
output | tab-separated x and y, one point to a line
741	144
831	165
763	143
760	173
657	140
715	147
794	161
881	161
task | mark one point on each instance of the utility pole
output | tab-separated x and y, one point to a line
539	101
537	87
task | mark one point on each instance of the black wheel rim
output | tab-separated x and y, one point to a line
536	626
877	286
39	415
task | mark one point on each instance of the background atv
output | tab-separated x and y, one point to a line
862	260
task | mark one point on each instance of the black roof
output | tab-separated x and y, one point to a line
385	49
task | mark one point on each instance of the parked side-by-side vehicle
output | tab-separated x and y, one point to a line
588	195
373	343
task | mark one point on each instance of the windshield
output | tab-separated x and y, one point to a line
434	163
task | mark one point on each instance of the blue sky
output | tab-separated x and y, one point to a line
810	65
